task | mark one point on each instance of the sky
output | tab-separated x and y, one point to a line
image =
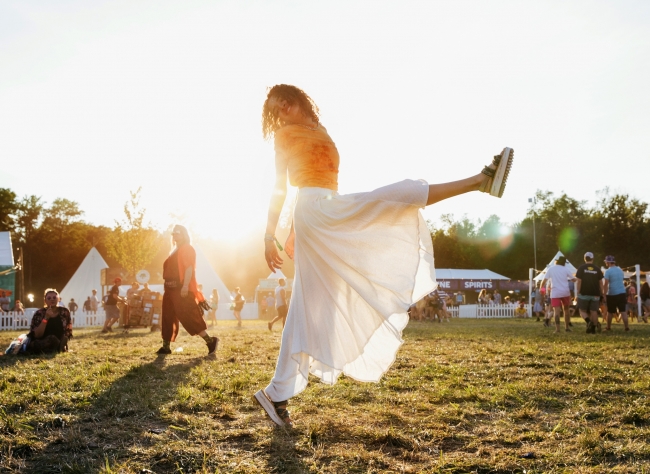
99	98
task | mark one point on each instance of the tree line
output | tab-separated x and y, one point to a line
616	224
55	239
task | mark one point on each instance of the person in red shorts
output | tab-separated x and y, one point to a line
181	298
559	276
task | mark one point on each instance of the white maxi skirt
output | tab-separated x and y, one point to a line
360	261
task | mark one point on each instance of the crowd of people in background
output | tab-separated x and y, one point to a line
434	307
599	297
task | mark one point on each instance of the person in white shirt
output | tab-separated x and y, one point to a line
94	303
559	276
280	304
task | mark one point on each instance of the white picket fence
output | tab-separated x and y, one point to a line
487	311
13	321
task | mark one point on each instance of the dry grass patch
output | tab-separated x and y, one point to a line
469	396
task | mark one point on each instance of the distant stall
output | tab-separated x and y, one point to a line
7	269
470	282
267	287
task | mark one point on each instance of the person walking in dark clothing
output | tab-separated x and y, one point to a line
182	297
589	290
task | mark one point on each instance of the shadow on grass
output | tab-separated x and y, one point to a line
10	360
127	413
117	333
7	360
284	455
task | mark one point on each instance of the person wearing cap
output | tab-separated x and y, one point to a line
589	291
614	288
559	276
110	306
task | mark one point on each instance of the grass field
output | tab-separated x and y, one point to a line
468	396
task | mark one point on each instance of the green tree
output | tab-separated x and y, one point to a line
622	228
132	243
8	208
57	246
450	249
562	223
28	215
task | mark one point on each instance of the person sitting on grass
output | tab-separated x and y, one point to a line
51	327
521	311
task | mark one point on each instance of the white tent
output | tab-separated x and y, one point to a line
277	275
206	276
559	254
6	254
463	274
85	279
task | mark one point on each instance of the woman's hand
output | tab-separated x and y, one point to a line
271	255
184	291
289	244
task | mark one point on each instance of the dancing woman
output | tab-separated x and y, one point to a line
360	259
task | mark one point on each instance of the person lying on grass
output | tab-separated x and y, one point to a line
51	327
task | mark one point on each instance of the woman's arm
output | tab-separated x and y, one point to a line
273	259
186	280
40	329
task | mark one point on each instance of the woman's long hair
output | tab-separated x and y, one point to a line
293	95
184	233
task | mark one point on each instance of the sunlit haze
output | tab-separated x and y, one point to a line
99	98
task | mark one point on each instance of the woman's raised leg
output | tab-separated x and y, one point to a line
491	180
440	192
